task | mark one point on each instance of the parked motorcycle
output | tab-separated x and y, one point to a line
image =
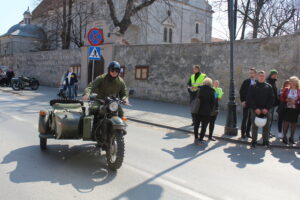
94	120
21	82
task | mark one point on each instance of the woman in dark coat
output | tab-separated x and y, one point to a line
206	94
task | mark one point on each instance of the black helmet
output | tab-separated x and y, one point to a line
114	66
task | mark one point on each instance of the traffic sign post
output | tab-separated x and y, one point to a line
94	54
95	38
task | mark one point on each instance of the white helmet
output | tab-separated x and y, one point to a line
260	121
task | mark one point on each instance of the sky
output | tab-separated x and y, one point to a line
12	12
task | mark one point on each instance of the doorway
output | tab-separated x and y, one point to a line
98	68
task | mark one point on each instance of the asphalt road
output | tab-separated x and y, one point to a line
159	164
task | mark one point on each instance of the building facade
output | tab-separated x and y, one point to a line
22	37
173	21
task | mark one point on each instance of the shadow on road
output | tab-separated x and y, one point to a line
287	156
79	166
243	156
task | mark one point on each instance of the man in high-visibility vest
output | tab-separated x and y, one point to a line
195	81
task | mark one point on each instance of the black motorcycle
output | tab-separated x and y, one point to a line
21	82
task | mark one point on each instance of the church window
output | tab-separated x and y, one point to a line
165	34
197	28
170	35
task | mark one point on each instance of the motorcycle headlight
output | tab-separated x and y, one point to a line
113	107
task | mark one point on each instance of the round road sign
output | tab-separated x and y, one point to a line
95	36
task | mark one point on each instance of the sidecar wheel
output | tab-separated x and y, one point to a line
43	143
115	151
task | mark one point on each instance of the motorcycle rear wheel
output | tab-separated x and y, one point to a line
34	85
43	143
115	151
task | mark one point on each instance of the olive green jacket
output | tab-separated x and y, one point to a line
105	86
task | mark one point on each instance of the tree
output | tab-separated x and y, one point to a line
131	9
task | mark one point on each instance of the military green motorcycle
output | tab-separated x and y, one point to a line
94	120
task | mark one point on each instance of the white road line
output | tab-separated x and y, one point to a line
168	183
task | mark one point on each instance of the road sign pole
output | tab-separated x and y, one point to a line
93	68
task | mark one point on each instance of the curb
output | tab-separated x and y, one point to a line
217	137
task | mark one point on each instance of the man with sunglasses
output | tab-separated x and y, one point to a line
108	85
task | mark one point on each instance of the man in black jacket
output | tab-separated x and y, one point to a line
246	122
260	100
272	81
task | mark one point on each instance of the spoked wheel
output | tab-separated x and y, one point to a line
34	85
43	143
15	86
115	151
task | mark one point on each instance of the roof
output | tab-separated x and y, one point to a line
26	30
45	6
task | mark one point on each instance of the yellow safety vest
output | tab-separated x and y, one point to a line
198	82
219	93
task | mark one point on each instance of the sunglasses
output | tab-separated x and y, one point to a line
115	70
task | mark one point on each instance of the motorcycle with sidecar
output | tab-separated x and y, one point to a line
21	82
94	120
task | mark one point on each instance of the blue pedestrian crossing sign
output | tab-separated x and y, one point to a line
94	53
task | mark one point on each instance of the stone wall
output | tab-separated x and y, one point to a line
47	66
170	65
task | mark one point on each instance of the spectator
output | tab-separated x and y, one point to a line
206	95
2	77
280	108
246	122
260	100
218	96
9	75
291	97
195	81
70	80
273	76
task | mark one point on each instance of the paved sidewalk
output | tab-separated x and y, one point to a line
166	115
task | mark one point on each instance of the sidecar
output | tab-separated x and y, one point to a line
65	121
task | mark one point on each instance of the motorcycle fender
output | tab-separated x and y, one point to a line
44	127
118	123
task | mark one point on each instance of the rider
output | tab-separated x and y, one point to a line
109	85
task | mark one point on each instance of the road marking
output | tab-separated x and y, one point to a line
168	183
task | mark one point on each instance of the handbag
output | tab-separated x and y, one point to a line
281	107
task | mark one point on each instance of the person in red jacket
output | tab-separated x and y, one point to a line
291	96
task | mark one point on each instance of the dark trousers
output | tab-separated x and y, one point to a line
246	122
271	111
204	120
193	95
280	121
266	128
212	125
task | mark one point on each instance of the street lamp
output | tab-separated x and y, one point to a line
231	121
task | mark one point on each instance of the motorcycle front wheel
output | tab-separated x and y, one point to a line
115	151
15	86
34	85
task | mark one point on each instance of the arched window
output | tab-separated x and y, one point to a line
170	35
165	34
197	28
